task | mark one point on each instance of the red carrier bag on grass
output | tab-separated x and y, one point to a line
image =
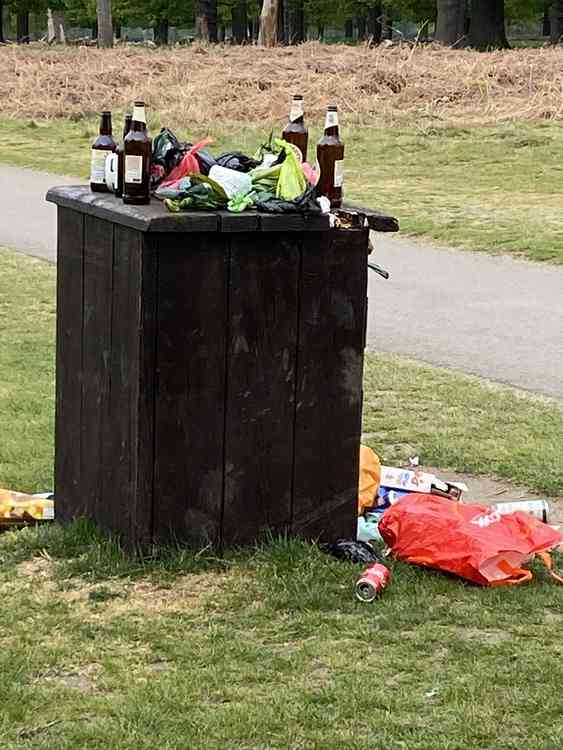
472	541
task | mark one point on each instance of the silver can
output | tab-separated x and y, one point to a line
537	508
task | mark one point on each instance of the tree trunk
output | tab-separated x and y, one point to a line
56	26
220	32
546	22
361	23
450	22
349	29
117	29
387	27
320	31
1	22
105	26
282	28
374	23
487	29
268	34
94	29
160	29
239	21
556	22
22	27
295	21
206	20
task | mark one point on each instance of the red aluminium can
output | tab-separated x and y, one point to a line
372	582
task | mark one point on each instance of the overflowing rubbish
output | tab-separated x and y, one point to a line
372	582
537	508
19	509
352	551
277	178
473	541
368	527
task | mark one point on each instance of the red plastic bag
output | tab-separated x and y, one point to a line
188	165
472	541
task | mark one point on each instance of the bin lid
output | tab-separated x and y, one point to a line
155	217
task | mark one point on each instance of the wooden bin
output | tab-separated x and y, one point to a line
209	371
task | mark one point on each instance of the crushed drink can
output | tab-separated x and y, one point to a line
372	582
537	508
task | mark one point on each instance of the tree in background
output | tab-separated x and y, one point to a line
450	21
206	20
268	34
239	21
1	22
487	30
556	22
105	24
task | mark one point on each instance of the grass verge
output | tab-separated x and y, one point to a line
267	648
495	188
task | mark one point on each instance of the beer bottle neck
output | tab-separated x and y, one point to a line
105	125
297	111
331	123
127	126
139	121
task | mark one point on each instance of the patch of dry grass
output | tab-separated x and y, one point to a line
248	84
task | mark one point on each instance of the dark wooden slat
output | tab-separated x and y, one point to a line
192	299
329	384
377	221
126	507
96	337
247	221
154	217
70	501
281	222
147	269
263	311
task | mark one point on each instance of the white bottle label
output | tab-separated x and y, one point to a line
331	119
134	169
297	110
98	166
139	114
339	173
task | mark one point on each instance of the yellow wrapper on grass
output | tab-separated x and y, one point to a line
18	508
292	183
370	476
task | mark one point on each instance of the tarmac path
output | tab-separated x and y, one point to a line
491	316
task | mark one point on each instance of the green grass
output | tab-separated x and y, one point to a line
267	648
496	189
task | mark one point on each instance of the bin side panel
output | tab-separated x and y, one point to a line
96	338
127	474
191	342
263	321
329	384
70	500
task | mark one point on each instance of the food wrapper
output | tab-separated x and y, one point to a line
17	508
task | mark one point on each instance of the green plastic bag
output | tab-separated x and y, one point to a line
292	183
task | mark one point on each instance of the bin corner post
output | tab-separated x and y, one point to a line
330	384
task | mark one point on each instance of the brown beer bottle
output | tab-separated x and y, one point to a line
137	162
295	131
121	157
103	145
330	156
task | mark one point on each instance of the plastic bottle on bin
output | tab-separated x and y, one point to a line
102	146
330	158
137	163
